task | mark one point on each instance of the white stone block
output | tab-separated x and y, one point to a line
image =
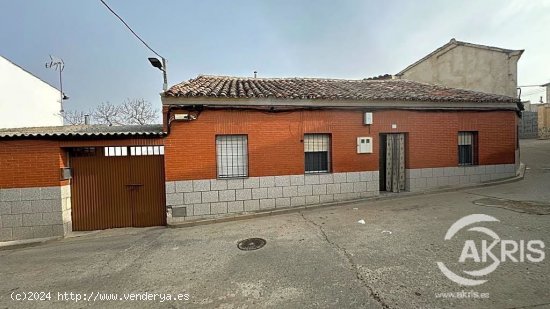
360	186
346	187
201	209
12	220
304	190
311	179
236	206
373	186
442	181
326	178
234	183
437	172
366	176
327	198
210	197
218	184
251	205
267	182
50	193
251	183
297	180
353	177
10	195
282	202
201	185
319	189
170	187
282	181
218	208
290	191
275	192
339	177
259	193
243	194
192	198
333	188
32	194
312	199
173	199
426	172
184	186
227	195
297	201
267	203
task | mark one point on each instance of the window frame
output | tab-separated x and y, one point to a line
328	154
474	151
246	160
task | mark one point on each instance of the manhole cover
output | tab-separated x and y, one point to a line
251	244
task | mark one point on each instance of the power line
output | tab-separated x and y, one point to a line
129	28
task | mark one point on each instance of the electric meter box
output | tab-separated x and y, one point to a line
364	145
368	118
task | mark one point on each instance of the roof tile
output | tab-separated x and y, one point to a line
331	89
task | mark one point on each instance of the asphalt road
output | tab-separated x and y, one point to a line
320	258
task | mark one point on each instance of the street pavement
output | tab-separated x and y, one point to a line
317	258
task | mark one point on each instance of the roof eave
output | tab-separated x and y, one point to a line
386	104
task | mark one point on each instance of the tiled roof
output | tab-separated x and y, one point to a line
83	131
332	89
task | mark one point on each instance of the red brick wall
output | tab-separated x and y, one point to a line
26	163
276	148
30	163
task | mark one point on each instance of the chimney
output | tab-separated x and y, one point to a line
86	119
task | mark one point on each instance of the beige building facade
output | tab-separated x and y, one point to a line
468	66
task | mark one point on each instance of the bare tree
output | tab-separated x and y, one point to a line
107	113
73	117
138	112
132	111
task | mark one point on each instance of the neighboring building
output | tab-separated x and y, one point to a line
544	120
237	145
248	144
26	100
468	66
117	179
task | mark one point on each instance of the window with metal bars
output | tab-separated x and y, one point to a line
317	153
467	148
232	156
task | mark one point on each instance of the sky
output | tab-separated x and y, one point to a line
283	38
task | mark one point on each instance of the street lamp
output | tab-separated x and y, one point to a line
161	66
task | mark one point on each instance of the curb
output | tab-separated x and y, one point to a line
24	243
520	173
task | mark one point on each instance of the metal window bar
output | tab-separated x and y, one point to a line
466	148
317	153
232	156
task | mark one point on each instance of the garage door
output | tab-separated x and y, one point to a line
117	187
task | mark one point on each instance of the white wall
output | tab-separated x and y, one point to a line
25	100
469	68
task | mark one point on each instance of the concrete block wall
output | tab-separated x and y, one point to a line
27	213
66	213
195	199
427	178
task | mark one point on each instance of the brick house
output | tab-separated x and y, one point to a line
231	145
249	144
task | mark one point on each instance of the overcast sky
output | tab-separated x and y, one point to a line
315	38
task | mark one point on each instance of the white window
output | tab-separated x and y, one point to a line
232	155
317	153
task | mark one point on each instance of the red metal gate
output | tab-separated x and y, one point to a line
117	187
